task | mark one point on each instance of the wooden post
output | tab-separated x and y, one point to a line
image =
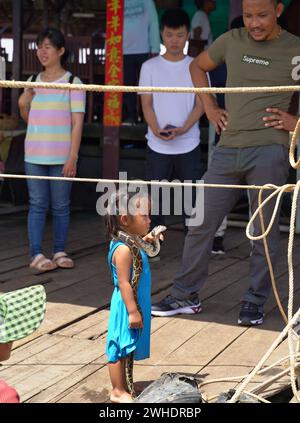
113	76
17	53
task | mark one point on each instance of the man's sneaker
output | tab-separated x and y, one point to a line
218	247
170	306
250	314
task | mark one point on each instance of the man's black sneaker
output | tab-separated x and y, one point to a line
170	306
218	247
250	314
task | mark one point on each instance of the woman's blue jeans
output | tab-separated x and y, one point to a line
42	194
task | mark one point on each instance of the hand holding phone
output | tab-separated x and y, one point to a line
166	132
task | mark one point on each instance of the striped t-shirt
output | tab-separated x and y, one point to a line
48	137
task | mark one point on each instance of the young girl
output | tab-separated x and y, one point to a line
55	121
129	329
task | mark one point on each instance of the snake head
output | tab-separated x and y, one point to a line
157	231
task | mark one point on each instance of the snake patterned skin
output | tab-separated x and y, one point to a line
134	282
152	250
134	244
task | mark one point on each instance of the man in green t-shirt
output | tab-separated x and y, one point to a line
251	151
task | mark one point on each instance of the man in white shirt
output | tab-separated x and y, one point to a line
173	132
200	26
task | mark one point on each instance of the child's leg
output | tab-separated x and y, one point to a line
117	376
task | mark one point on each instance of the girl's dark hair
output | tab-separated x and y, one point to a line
118	206
56	38
175	18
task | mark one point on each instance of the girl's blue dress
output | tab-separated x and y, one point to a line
121	340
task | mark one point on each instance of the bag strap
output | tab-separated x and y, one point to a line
34	77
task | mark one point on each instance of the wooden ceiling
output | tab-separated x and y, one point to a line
89	15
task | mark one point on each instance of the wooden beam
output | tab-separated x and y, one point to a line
111	152
17	54
113	76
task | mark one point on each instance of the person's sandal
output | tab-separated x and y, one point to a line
42	264
63	261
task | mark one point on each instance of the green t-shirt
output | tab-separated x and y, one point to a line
255	64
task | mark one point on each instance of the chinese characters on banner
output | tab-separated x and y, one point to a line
114	61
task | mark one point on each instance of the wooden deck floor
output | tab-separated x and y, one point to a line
64	360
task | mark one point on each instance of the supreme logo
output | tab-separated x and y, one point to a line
252	60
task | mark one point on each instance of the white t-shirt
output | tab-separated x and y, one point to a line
170	108
200	18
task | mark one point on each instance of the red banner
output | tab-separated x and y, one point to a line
114	61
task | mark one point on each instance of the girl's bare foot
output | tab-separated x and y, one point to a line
120	397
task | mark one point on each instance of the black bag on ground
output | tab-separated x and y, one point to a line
171	388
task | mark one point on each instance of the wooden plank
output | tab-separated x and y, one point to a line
16	259
40	351
51	365
240	358
81	377
74	295
52	322
21	263
179	326
143	376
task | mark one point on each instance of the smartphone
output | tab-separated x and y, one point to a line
168	127
166	132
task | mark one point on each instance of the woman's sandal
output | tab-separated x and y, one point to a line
63	261
42	264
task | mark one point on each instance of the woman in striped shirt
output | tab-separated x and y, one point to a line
55	121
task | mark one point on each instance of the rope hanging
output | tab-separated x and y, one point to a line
134	89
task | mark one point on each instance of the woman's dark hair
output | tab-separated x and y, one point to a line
118	205
56	38
175	18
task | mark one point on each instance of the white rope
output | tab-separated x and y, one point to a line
291	319
277	341
279	191
294	164
269	261
260	386
291	291
271	380
134	89
142	182
259	398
